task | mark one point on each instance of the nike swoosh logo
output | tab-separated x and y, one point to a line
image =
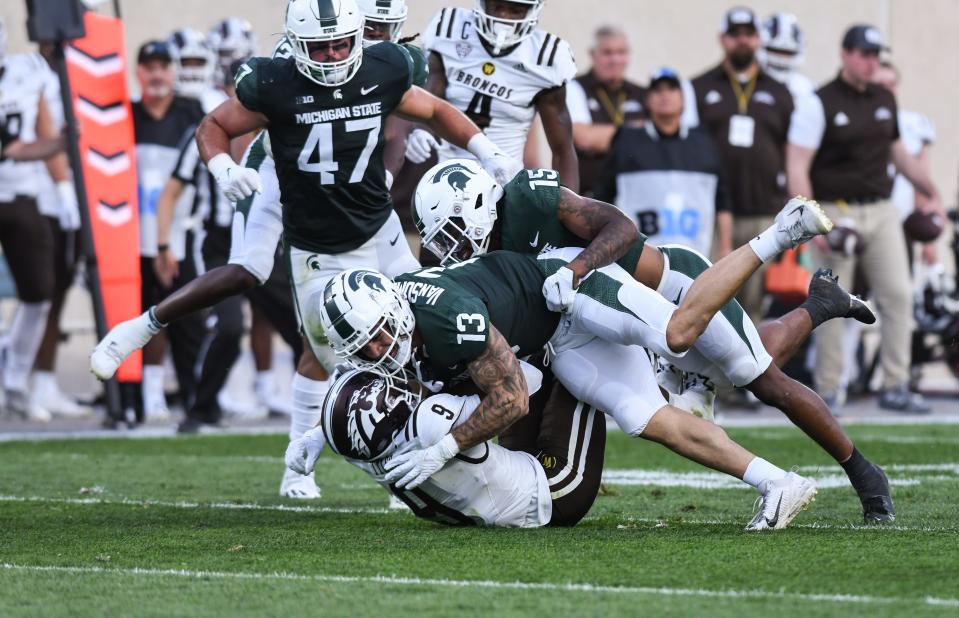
535	240
798	208
393	242
775	520
678	294
366	91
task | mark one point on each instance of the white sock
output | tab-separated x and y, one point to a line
308	398
767	245
759	472
264	384
45	381
26	334
152	386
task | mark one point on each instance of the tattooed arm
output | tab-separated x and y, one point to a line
609	231
497	372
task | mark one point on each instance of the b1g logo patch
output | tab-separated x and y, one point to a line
488	68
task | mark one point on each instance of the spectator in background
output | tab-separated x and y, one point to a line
666	177
600	101
162	123
839	152
781	54
748	113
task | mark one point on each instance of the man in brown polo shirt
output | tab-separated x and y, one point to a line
600	101
748	113
840	147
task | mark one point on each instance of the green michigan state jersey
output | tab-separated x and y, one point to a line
327	142
455	307
529	218
421	69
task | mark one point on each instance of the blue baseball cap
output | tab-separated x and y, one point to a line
663	74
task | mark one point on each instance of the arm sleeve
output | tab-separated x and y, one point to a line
577	103
808	123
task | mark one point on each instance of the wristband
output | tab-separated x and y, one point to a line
163	247
220	164
481	147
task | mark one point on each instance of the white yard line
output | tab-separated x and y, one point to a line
583	588
234	506
248	506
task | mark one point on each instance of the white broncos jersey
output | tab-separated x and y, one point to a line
497	93
486	485
25	79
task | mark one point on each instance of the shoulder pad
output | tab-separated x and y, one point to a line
554	57
436	416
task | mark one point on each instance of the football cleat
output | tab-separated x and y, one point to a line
783	500
19	403
800	220
397	505
825	287
123	340
298	486
877	506
51	398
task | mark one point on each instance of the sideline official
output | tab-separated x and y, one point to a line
839	153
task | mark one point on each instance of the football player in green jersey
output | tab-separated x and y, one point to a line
460	211
323	107
476	316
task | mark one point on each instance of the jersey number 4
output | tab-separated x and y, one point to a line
479	109
320	143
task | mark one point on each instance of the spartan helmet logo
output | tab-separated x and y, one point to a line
337	94
455	174
368	279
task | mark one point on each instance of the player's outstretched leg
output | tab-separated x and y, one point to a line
800	220
205	291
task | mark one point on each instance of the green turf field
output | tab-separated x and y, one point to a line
193	527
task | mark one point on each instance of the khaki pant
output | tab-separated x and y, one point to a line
885	266
752	293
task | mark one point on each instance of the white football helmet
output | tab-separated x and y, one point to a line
363	413
359	304
232	40
782	49
454	209
503	33
194	61
320	21
390	13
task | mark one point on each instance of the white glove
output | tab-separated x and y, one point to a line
419	145
424	374
414	467
302	453
503	168
236	182
559	291
498	164
69	214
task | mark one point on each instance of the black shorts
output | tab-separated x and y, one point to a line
67	250
151	290
568	438
28	247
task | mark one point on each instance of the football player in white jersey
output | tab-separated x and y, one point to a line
546	468
781	54
495	65
232	39
196	68
24	234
